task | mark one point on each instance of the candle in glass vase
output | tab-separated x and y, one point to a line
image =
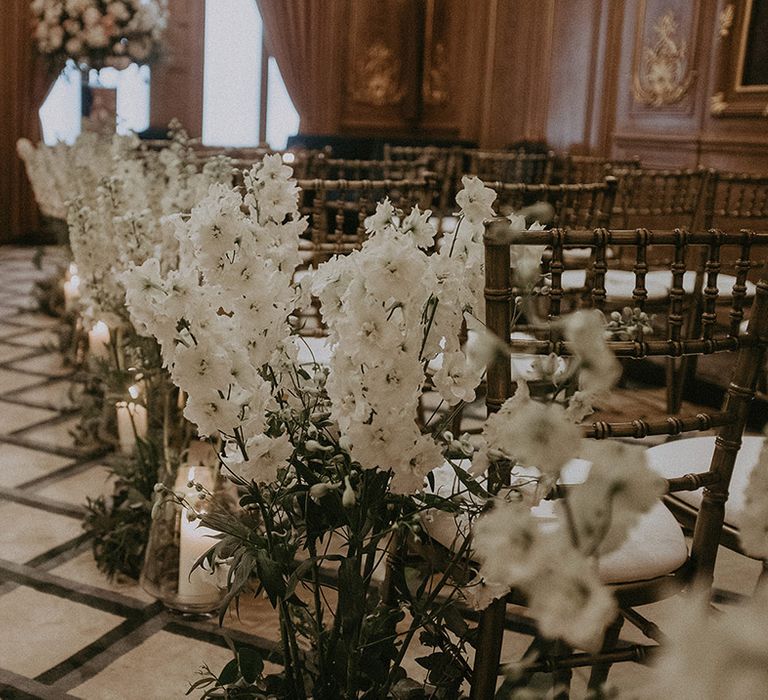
71	292
131	422
198	586
98	340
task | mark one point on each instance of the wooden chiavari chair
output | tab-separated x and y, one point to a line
337	209
570	206
582	168
511	166
351	169
664	572
446	164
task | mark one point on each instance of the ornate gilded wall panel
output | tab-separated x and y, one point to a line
664	62
741	89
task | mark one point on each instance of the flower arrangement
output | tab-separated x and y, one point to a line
99	33
338	474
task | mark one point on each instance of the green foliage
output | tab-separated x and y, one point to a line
119	524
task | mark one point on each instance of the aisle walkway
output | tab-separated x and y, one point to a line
67	632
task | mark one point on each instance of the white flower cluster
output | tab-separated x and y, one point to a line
391	308
118	198
551	550
61	172
375	303
221	315
99	33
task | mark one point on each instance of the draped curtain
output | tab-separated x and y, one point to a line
23	85
304	38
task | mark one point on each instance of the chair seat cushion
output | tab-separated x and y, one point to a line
654	547
724	282
693	455
619	284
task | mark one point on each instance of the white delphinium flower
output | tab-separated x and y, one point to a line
712	656
569	602
374	302
620	487
598	367
221	316
475	200
531	433
753	528
517	549
265	456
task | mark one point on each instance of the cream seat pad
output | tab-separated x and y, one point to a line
655	546
693	455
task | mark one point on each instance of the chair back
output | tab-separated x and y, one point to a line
446	163
511	166
352	169
660	199
337	209
570	206
736	200
747	349
582	168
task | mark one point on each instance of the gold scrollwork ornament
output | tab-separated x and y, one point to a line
378	77
663	76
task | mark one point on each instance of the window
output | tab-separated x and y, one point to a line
232	81
60	114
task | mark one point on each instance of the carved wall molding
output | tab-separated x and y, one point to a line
377	79
725	20
663	75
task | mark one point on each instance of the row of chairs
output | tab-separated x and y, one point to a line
655	563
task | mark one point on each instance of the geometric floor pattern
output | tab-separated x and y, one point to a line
65	631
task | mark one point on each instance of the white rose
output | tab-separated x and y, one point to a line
118	10
91	17
74	46
96	37
55	38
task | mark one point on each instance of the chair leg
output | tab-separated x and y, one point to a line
674	385
599	673
488	652
561	678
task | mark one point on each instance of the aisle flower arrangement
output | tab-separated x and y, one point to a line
370	528
99	33
337	474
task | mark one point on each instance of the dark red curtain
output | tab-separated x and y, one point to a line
23	85
303	36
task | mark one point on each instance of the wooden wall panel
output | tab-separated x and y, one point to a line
516	93
177	81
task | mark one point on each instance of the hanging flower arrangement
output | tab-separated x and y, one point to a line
99	33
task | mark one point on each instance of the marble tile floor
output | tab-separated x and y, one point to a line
67	632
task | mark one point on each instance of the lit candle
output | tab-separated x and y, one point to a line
131	422
71	292
98	340
196	586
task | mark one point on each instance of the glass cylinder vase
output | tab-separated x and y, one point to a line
177	539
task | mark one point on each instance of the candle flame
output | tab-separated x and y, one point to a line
101	327
133	390
72	269
288	157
